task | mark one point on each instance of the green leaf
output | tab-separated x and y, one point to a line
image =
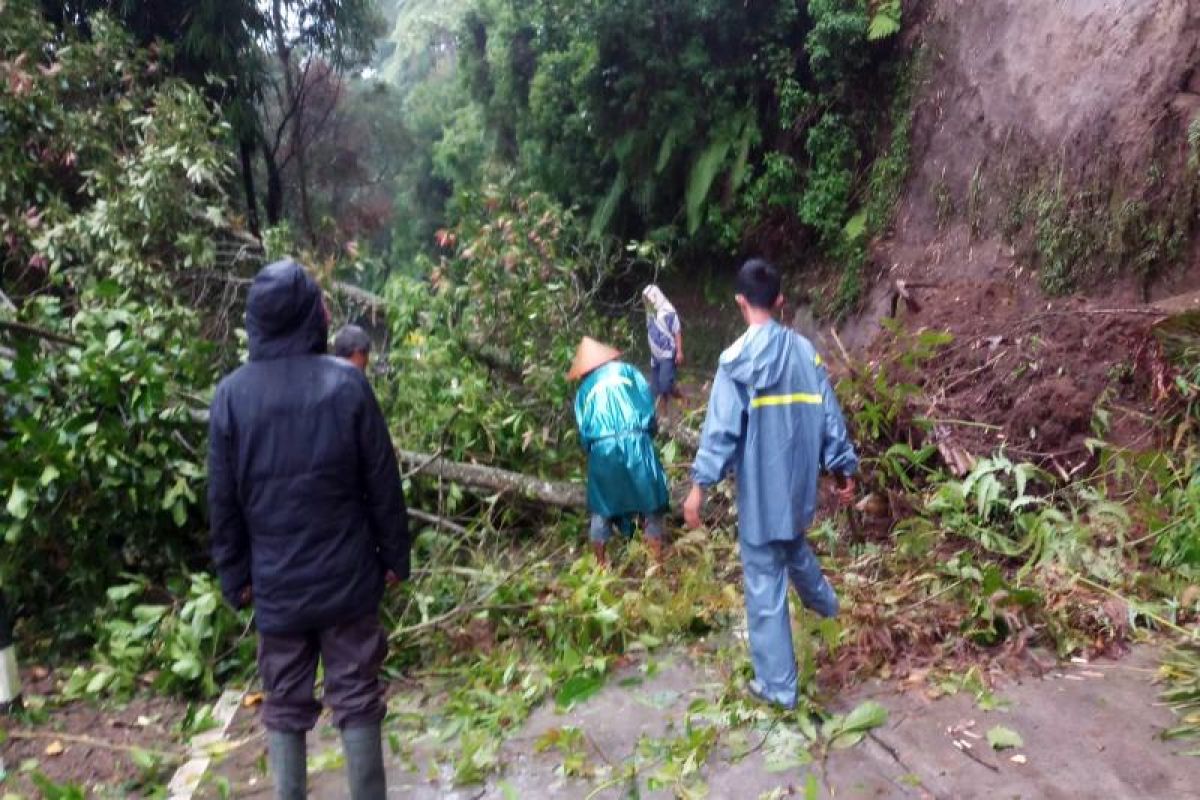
865	717
666	149
1002	738
855	227
113	340
579	688
882	26
49	475
741	157
704	172
787	750
18	502
99	681
123	592
608	207
143	759
179	513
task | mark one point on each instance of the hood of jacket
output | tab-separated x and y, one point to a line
756	359
284	313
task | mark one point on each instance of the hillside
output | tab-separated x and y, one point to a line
1051	182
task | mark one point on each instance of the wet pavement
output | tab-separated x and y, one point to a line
1088	730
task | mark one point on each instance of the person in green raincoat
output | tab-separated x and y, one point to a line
614	410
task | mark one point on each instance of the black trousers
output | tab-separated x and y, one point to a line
352	654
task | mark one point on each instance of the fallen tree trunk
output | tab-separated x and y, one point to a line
554	493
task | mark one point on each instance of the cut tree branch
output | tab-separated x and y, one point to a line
681	433
553	493
40	333
436	521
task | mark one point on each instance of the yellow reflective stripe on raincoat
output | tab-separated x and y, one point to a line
786	399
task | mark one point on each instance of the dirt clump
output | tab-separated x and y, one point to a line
1050	415
1035	378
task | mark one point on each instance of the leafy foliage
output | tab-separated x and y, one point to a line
885	21
111	188
100	458
501	316
834	43
825	205
1180	671
192	645
655	125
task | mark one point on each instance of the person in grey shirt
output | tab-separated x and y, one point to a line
353	344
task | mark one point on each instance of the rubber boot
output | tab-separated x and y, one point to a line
288	765
363	746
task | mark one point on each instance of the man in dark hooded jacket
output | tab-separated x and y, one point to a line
308	523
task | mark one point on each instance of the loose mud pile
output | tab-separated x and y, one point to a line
1037	378
1021	106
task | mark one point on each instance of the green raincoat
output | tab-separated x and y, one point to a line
615	413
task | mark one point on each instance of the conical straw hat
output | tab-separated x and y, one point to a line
589	355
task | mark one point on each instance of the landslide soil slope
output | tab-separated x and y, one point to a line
1049	138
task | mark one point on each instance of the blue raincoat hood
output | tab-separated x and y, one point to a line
774	420
284	313
757	359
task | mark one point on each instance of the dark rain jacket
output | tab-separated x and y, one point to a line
304	491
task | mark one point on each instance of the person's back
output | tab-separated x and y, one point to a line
781	380
297	424
774	420
296	459
613	399
665	337
307	518
615	414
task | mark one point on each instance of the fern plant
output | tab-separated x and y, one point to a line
885	20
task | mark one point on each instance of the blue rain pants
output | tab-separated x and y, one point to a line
766	570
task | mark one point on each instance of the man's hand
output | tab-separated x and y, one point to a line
246	596
679	358
391	578
691	507
845	491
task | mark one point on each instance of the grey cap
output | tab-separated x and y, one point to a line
350	340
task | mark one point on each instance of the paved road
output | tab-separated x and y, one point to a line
1088	730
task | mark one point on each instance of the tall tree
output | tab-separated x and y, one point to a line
228	47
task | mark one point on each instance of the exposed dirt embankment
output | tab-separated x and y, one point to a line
1050	178
1075	91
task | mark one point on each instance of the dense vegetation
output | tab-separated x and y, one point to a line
533	135
711	128
499	174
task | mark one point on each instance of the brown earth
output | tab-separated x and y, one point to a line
88	744
1082	89
1091	99
1046	375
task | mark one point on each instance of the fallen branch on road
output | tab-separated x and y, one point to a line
555	493
88	741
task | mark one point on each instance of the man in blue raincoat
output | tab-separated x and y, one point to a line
614	410
773	419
